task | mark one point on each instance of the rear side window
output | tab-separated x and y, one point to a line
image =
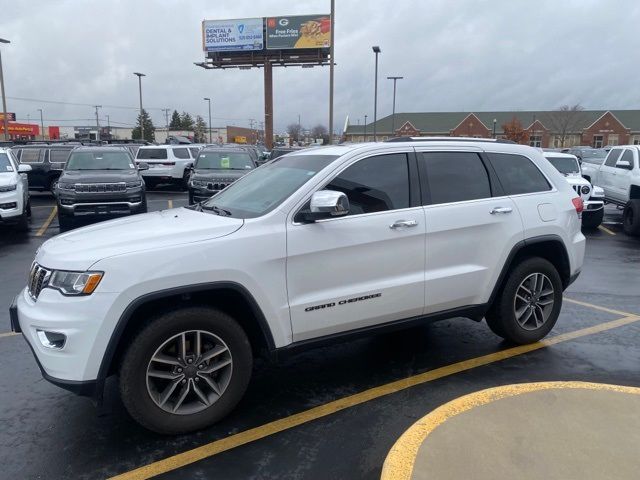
194	152
59	156
31	155
455	177
613	157
152	154
375	184
181	152
518	174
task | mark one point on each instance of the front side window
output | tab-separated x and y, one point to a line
613	157
152	154
31	155
181	153
99	160
264	188
628	156
456	177
375	184
224	161
518	174
5	163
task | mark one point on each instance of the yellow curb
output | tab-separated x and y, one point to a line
47	222
401	458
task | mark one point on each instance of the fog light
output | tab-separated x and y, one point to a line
66	201
52	340
8	206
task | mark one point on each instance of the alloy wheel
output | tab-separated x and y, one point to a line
534	301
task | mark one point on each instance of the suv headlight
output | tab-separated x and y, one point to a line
66	186
135	184
198	183
585	189
75	283
8	188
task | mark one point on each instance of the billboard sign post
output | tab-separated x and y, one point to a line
244	34
300	31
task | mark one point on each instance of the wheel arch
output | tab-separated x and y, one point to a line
229	297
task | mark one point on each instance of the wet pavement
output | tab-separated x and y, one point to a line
333	412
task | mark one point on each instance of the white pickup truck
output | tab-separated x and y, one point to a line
619	177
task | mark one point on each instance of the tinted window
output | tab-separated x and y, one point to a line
612	158
152	154
30	155
564	165
194	152
456	177
181	152
628	156
375	184
5	163
59	156
518	174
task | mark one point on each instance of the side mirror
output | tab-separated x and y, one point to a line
22	168
624	164
143	166
327	204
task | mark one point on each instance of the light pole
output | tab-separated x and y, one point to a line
393	117
376	50
5	120
140	75
209	101
41	123
331	65
365	128
494	127
97	122
166	119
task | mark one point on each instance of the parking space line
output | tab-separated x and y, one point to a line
47	222
8	334
208	450
598	307
170	204
606	230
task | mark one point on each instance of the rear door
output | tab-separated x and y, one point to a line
35	158
607	175
471	228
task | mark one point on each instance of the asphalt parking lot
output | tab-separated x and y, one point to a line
332	412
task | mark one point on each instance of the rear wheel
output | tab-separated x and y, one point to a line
631	218
528	306
185	370
64	222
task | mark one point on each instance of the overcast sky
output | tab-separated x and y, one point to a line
454	55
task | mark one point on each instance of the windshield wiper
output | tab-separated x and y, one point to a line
217	210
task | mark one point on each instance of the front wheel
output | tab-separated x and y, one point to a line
529	304
185	370
631	218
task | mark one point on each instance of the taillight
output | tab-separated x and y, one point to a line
578	204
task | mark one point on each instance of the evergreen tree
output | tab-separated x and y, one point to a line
176	121
186	121
149	130
201	132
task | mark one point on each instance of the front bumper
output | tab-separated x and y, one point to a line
10	213
98	205
593	206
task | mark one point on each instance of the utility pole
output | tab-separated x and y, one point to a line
393	117
140	75
377	51
252	122
97	122
166	119
41	123
209	101
262	130
108	126
365	128
331	65
5	120
268	104
299	128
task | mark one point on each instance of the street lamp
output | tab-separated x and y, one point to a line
140	75
494	127
209	101
376	50
365	128
393	117
5	120
41	123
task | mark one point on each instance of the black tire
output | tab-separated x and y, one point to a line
23	222
150	184
28	209
501	317
133	370
631	218
184	184
64	222
191	201
592	220
143	207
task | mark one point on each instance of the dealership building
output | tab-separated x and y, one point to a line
597	128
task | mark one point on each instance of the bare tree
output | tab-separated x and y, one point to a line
320	131
294	130
565	121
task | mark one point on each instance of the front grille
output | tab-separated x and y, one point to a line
100	187
216	186
38	278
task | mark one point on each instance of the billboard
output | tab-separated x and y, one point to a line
11	117
301	31
242	34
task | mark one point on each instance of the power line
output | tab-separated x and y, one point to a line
57	102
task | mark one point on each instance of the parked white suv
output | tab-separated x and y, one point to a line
15	207
167	164
315	246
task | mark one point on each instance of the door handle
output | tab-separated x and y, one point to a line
501	210
403	224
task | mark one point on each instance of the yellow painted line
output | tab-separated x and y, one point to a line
401	458
606	230
598	307
170	203
8	334
191	456
47	222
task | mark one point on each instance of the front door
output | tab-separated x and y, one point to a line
622	180
365	268
607	173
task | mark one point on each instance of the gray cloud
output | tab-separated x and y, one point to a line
454	55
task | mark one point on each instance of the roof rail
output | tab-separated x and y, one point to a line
448	139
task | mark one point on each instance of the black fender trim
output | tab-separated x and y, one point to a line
126	315
514	251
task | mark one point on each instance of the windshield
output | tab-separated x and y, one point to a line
266	187
99	161
224	161
593	156
5	163
152	154
565	165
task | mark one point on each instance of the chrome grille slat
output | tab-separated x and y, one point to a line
100	187
38	278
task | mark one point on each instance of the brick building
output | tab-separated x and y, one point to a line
597	128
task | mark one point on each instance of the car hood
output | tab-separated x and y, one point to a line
208	174
98	176
81	248
576	179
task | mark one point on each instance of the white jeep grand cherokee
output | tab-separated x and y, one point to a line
318	245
